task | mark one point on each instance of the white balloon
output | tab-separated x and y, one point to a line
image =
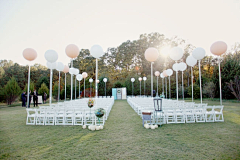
132	79
51	56
169	72
182	66
198	53
52	65
96	51
144	78
71	70
60	66
90	80
157	73
76	71
191	61
176	53
161	75
79	77
140	79
104	79
175	67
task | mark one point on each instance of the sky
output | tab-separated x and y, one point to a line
53	24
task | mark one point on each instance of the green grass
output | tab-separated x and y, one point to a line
122	138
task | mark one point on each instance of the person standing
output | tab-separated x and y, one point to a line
35	98
30	98
44	97
23	96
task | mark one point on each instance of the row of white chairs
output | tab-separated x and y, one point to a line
68	115
178	114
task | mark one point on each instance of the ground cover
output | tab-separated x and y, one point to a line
122	138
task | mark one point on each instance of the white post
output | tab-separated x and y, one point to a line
177	83
163	86
200	79
166	86
79	89
71	79
151	79
65	86
220	83
157	86
84	87
75	88
140	89
96	77
169	88
144	90
28	86
58	86
182	86
105	89
192	82
50	94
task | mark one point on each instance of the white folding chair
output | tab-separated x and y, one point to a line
209	114
31	116
189	114
40	116
200	114
69	116
78	117
60	116
170	115
179	116
218	114
50	116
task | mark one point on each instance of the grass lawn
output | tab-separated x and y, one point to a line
122	138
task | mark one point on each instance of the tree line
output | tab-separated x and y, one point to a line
120	64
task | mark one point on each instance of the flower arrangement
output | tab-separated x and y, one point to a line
90	103
99	112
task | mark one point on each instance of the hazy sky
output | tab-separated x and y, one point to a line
53	24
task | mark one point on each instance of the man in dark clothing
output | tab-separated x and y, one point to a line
35	98
23	96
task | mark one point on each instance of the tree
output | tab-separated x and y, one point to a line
11	91
43	89
42	80
235	87
31	87
209	89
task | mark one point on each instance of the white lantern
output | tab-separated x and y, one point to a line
51	56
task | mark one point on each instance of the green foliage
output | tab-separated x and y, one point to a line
31	87
55	91
11	91
43	89
209	90
118	85
42	80
196	91
234	86
2	98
